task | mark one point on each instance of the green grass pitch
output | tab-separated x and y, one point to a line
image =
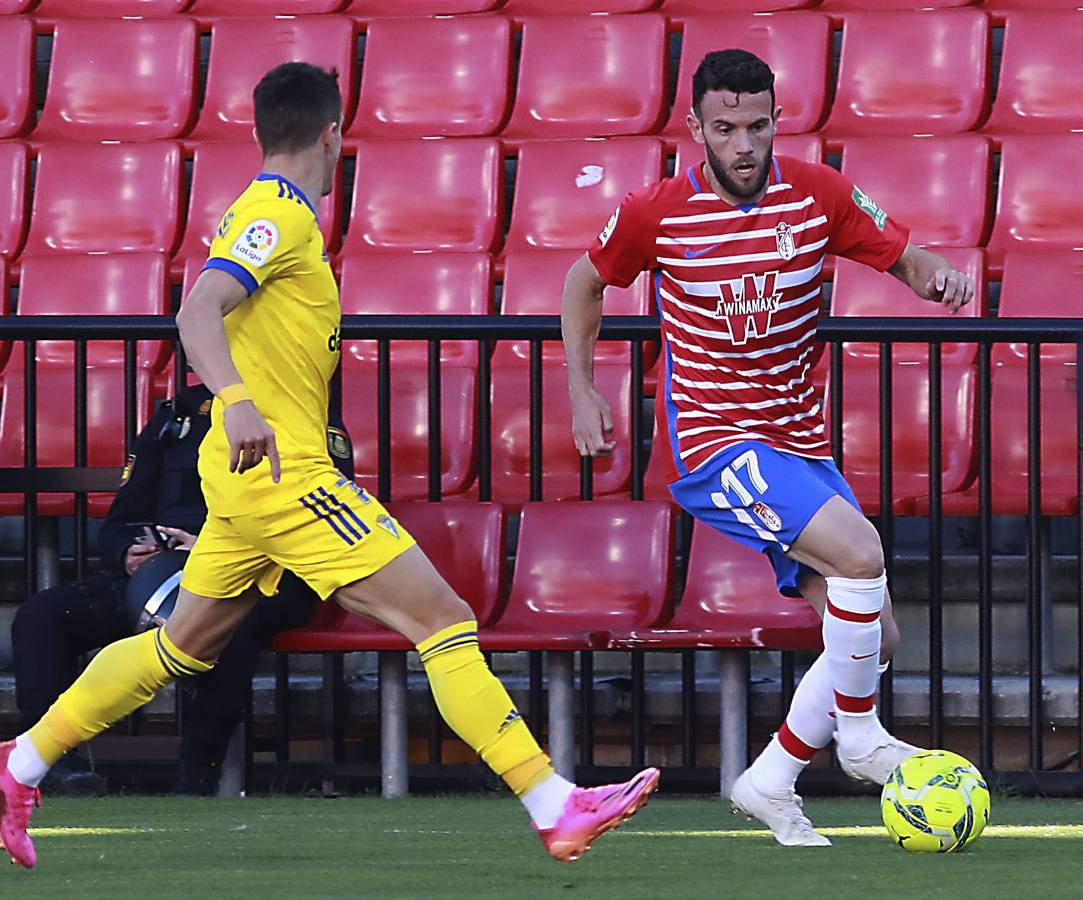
156	848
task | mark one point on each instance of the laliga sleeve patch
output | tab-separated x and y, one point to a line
256	242
607	232
869	207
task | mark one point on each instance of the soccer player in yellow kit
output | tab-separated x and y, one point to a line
260	328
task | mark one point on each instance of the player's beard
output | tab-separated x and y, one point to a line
729	185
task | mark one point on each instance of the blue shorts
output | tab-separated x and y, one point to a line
763	498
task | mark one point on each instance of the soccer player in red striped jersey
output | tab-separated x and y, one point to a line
737	245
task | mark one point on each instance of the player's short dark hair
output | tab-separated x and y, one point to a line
737	71
294	102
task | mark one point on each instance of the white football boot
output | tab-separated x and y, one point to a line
875	762
783	815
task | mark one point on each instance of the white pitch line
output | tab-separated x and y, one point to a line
877	831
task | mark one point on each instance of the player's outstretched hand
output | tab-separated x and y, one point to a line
592	424
950	287
250	439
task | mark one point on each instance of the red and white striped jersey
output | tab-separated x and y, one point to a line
738	292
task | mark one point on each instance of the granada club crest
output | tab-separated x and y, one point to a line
747	305
768	516
784	240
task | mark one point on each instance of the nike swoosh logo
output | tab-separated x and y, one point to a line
866	656
689	253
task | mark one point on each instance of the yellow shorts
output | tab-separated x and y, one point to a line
330	537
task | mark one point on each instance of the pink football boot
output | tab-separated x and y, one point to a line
16	803
590	812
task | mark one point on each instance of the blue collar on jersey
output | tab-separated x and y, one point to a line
270	176
743	207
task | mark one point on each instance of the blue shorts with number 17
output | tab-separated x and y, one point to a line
763	498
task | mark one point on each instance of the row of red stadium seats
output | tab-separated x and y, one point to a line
401	8
587	576
128	197
899	73
1035	284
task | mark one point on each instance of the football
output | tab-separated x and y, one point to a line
935	802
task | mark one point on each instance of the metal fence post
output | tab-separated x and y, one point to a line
733	671
394	716
561	665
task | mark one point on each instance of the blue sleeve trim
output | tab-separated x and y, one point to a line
692	178
248	282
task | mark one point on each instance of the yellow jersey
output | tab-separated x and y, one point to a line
284	340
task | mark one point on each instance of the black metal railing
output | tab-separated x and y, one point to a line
79	479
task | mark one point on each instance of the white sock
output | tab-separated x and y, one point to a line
856	731
811	715
852	640
774	772
25	763
545	803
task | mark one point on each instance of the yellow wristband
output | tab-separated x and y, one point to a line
233	393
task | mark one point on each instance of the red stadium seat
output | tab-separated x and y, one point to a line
833	6
447	76
532	286
455	199
222	8
730	600
583	570
1002	6
796	45
1039	71
949	205
242	50
565	191
574	7
862	291
11	7
17	103
120	80
1042	284
220	172
377	9
106	197
910	431
412	284
914	72
13	174
102	9
655	486
678	8
114	284
583	76
465	542
807	147
5	307
1009	440
1036	210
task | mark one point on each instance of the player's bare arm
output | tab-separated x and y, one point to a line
580	320
201	323
932	277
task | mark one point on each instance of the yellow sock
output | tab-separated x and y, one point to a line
478	709
120	679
